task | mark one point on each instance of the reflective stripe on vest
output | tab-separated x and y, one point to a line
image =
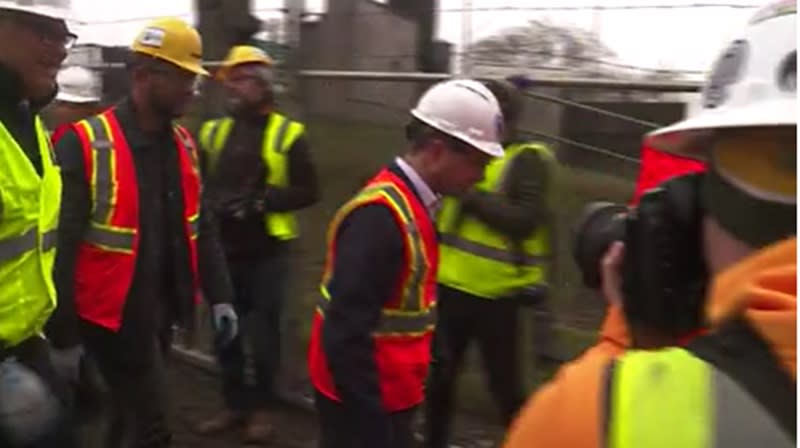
670	398
104	191
279	136
11	248
413	317
29	208
479	260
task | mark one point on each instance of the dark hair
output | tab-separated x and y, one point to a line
420	134
509	97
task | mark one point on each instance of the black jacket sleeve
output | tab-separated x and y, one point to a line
366	267
62	329
303	189
522	207
215	278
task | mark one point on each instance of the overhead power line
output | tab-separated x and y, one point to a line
599	7
462	10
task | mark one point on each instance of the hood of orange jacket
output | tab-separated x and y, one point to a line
763	288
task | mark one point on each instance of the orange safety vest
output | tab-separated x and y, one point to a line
402	339
107	256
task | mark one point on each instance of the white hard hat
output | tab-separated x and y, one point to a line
43	8
752	83
78	85
466	110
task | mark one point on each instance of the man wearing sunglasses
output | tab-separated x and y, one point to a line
33	397
135	245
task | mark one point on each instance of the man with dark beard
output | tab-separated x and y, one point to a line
260	172
135	245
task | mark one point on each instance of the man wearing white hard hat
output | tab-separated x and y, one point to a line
371	332
32	397
79	93
736	385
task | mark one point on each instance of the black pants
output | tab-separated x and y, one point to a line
339	430
34	354
260	291
137	412
494	325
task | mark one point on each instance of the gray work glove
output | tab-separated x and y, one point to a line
67	362
226	323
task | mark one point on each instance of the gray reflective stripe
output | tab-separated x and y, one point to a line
104	188
277	140
187	144
14	247
492	253
396	323
194	225
740	421
109	238
49	240
412	298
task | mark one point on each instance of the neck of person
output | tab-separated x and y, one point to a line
415	161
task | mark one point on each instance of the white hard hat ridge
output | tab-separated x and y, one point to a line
78	85
753	82
464	109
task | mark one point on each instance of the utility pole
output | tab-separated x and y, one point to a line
222	24
466	37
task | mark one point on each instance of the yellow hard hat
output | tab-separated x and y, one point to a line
174	41
243	54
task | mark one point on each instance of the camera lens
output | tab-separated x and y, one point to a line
600	224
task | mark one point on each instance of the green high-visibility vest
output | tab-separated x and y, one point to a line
478	259
29	207
279	136
670	398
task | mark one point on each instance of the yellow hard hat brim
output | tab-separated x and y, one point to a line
188	66
225	68
197	69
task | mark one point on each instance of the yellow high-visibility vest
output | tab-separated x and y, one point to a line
479	260
670	398
279	136
29	207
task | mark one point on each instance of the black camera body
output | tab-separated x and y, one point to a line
664	274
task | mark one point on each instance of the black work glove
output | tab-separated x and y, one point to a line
87	385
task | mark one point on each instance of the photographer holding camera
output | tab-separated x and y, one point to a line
736	384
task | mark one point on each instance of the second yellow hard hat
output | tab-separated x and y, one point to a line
243	54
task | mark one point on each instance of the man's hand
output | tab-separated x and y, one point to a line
226	323
610	271
67	362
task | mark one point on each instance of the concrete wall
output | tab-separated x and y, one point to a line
359	35
383	41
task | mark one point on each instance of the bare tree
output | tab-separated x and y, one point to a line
543	46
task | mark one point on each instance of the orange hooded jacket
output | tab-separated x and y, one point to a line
763	287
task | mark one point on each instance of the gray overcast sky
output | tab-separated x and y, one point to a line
685	39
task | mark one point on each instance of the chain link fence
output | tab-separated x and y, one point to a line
355	124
